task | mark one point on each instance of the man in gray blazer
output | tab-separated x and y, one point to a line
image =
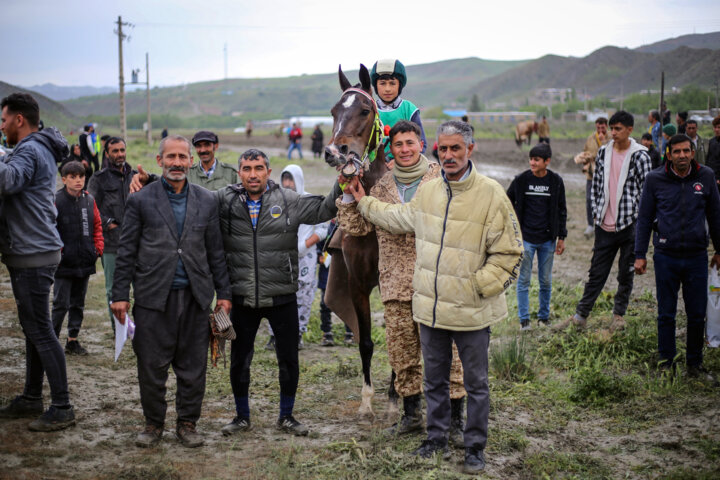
171	250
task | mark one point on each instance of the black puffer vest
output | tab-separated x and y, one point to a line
75	222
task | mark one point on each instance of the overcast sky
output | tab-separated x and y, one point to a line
69	42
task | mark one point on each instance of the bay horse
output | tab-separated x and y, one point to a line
524	131
356	144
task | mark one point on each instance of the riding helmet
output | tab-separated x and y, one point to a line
391	67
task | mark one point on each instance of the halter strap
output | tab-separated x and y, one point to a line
377	129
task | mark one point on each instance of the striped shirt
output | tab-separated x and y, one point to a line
254	209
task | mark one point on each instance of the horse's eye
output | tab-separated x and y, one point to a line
366	112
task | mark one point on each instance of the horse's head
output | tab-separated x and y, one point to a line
353	121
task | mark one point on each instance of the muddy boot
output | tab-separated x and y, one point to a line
412	420
457	423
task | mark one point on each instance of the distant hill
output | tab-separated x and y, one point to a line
429	84
604	71
52	113
704	40
59	93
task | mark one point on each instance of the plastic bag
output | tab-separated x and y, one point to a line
712	326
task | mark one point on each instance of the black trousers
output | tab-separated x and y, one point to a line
177	336
606	247
69	298
284	322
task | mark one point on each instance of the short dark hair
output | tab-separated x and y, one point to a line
72	168
541	150
253	154
655	115
623	118
286	175
113	141
683	116
694	122
105	138
716	121
646	136
601	121
404	126
680	138
23	104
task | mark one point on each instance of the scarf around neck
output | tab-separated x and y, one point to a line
412	173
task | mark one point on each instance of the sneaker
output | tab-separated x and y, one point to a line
429	448
290	425
270	345
237	425
54	419
301	344
22	407
525	325
474	460
618	323
703	374
188	436
589	231
576	320
73	347
543	322
327	340
149	437
349	339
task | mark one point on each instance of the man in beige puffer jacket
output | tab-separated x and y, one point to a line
469	249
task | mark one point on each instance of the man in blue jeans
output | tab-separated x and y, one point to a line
538	196
676	202
30	246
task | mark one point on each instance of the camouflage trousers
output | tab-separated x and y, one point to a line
306	290
403	342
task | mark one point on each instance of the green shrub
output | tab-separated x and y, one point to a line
594	385
509	361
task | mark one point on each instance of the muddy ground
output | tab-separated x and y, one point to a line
529	426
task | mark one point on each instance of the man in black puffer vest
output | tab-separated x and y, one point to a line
80	229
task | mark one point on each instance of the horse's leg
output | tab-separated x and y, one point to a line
393	397
361	301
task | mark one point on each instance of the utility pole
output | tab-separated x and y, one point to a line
622	95
123	119
662	96
147	90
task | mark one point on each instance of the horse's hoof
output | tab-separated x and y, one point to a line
366	402
393	412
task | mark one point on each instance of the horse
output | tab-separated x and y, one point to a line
356	144
525	130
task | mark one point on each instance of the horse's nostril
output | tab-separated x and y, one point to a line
344	149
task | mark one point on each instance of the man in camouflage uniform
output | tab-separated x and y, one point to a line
396	266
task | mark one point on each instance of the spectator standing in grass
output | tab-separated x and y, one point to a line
80	228
677	203
700	151
544	131
587	159
538	196
646	141
712	159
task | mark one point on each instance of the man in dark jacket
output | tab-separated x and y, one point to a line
30	246
171	250
259	221
538	196
646	141
110	187
712	159
87	148
676	202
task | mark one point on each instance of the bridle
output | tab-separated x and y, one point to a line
376	134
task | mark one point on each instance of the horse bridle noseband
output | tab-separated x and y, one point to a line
376	133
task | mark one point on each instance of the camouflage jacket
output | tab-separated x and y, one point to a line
397	252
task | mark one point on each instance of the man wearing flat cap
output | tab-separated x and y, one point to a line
210	172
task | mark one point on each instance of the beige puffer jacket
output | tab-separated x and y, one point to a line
469	249
397	252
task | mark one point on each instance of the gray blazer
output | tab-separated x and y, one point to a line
150	247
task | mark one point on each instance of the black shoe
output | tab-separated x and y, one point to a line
54	419
327	340
525	325
290	425
73	347
429	448
456	435
237	425
349	339
703	374
22	407
474	460
270	345
543	322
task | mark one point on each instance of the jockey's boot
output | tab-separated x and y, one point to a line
411	420
457	423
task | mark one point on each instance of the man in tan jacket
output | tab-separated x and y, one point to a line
396	266
587	159
469	249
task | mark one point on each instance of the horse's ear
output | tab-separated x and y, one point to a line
344	82
365	78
